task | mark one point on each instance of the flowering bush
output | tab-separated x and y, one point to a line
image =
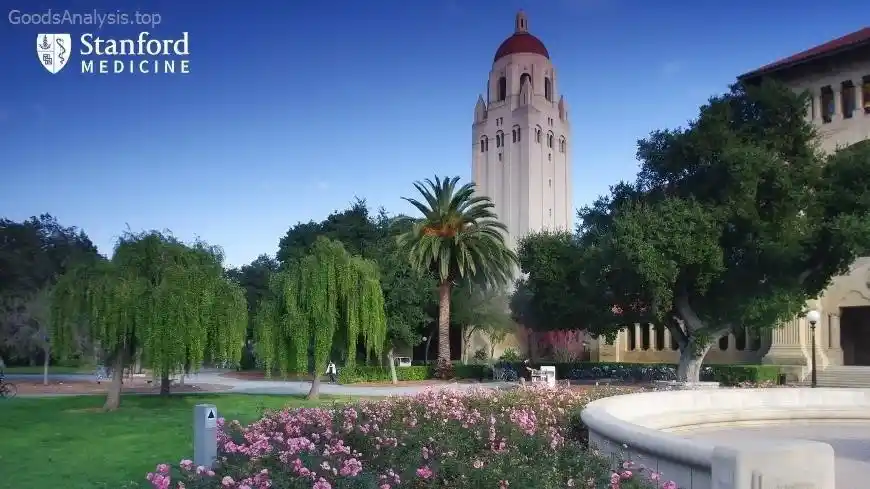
440	439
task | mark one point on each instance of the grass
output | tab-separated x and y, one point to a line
67	442
51	370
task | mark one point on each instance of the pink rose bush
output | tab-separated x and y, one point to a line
439	439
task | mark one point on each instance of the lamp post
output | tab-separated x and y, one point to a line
425	350
813	317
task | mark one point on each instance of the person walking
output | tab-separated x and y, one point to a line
331	371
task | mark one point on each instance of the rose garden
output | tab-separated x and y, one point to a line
734	222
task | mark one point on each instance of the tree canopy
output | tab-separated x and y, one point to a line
157	298
409	298
33	253
326	294
734	221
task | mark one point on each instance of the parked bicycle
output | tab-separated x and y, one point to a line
8	390
504	374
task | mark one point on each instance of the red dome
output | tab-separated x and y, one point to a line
521	42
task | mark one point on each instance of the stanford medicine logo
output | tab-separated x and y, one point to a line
53	51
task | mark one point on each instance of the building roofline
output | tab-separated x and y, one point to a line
840	45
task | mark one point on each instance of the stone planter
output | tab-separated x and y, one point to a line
682	386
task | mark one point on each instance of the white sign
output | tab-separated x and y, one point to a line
211	419
53	51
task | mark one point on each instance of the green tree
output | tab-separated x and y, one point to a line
326	295
735	221
254	279
477	309
408	294
33	253
157	299
458	238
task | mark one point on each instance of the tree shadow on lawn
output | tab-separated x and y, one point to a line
49	443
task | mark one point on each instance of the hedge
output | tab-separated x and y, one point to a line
589	371
350	375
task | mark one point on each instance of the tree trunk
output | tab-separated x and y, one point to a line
426	351
314	393
444	322
45	367
165	384
113	397
466	342
691	359
392	361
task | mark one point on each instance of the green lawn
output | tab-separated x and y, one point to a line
67	443
51	370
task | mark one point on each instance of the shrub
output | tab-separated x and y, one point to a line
437	440
510	355
480	355
350	375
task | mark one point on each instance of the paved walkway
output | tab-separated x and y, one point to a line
244	386
851	443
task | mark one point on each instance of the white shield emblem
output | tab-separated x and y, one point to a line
53	51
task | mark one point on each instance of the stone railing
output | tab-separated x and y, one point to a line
654	343
644	428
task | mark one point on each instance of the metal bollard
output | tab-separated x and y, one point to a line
205	418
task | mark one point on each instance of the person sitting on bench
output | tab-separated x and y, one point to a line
529	372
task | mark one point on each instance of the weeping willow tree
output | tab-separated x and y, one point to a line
327	295
157	299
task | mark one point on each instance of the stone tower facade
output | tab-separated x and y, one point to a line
521	139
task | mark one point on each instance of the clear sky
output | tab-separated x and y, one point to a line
293	108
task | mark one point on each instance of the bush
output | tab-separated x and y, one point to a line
437	440
728	375
510	355
350	375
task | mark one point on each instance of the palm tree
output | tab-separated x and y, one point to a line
459	237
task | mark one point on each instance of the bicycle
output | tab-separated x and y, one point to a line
8	390
504	374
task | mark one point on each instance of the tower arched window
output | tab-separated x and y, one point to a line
538	134
517	134
525	78
548	89
483	144
502	88
550	139
499	139
563	145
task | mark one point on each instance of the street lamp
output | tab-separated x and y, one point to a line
425	350
813	317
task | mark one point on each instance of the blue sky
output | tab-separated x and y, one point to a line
292	109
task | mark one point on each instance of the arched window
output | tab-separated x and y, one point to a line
550	139
538	134
502	88
499	139
524	78
483	144
515	132
548	89
563	145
